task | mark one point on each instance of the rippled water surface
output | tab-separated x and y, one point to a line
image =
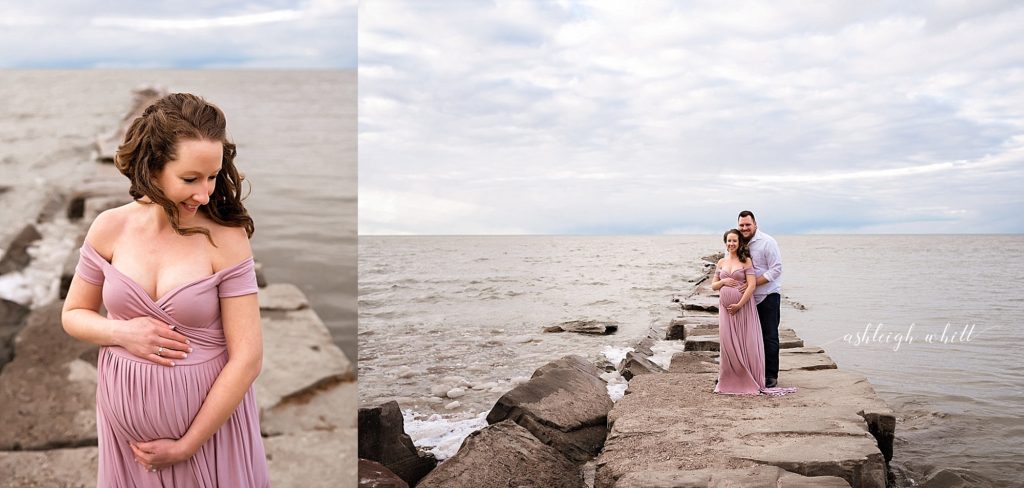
446	309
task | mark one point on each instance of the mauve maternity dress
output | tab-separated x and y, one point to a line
741	348
138	400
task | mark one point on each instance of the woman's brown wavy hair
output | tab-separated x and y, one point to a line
151	142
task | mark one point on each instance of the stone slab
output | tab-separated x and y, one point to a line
674	422
299	355
757	476
503	455
65	468
313	458
789	361
48	392
282	296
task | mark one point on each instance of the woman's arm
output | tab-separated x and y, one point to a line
240	317
716	284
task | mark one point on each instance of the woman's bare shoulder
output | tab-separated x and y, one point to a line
232	245
107	227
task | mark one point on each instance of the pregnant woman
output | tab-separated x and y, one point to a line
181	343
741	357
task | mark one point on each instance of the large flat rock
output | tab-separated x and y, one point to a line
701	303
565	404
673	422
504	455
700	340
48	392
329	407
382	438
282	296
790	360
298	357
66	468
313	459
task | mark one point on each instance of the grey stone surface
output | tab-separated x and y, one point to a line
329	407
789	360
753	477
702	343
313	458
504	455
298	356
682	327
700	340
282	296
694	362
57	468
565	404
674	422
595	327
636	364
702	303
48	392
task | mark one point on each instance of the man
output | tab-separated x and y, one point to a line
768	269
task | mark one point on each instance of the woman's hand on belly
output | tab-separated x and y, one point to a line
161	453
152	340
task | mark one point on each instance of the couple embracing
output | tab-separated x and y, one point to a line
748	280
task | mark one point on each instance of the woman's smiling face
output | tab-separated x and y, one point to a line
189	179
732	242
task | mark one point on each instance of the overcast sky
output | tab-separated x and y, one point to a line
545	117
310	34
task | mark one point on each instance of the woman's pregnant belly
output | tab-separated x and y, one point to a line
142	401
728	295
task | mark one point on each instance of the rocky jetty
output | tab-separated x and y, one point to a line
306	391
670	429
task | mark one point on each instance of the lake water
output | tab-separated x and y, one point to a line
470	310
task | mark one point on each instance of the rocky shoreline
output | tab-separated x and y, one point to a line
669	430
306	390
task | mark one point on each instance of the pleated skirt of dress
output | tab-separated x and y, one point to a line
138	401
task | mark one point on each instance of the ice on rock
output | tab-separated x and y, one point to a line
615	355
455	393
442	436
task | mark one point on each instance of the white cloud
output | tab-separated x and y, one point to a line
630	117
158	24
310	34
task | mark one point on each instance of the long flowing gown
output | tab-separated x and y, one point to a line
741	351
138	400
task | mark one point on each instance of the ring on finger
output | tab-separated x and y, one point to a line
160	351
